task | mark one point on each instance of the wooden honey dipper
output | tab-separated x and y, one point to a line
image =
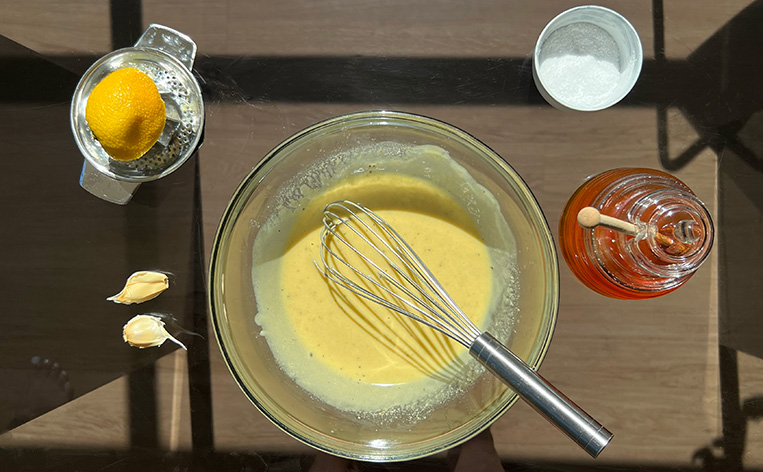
590	217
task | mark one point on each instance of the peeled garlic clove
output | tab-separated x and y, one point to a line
147	331
142	286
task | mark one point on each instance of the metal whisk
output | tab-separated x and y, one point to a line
388	272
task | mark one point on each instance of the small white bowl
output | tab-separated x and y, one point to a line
587	58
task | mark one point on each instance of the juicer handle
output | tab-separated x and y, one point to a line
169	41
104	187
541	395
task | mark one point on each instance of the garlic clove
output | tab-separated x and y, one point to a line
144	331
142	286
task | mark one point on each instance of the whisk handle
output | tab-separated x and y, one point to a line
541	395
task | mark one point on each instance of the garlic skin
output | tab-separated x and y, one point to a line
142	286
144	331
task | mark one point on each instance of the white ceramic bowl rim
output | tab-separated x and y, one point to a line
594	14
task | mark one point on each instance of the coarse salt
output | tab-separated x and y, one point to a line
580	65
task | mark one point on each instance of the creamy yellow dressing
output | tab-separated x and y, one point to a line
350	352
368	343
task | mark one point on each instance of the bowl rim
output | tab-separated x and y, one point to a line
240	196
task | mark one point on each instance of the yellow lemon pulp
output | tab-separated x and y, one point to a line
126	114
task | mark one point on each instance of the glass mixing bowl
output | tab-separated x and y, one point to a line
271	185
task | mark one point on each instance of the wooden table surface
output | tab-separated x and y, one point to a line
649	370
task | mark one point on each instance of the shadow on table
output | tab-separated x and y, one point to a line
727	115
64	251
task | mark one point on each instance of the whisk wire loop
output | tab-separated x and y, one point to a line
412	260
422	294
358	289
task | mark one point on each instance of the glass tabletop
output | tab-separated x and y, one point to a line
678	379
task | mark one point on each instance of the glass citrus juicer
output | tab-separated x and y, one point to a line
635	233
166	56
